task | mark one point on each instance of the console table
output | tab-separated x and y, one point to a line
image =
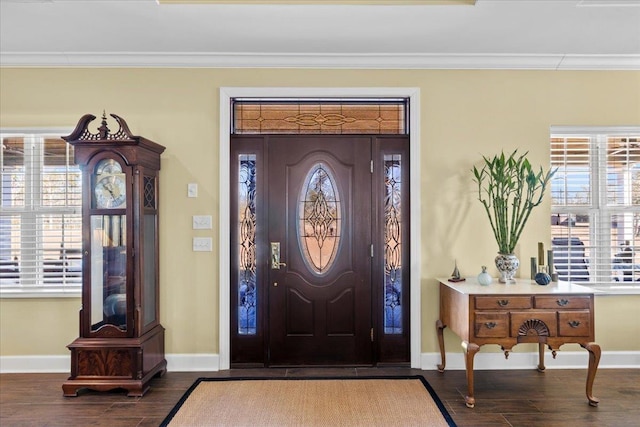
524	312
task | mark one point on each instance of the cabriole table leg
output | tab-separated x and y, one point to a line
470	350
439	328
594	360
541	366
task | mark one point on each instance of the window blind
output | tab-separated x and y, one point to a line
40	215
595	214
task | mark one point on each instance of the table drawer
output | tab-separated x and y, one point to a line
492	325
531	323
574	323
502	302
562	302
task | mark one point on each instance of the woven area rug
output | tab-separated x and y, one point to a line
371	401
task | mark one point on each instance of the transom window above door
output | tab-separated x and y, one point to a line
320	116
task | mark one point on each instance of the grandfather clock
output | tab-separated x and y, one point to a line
121	342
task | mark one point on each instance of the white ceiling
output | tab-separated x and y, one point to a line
512	34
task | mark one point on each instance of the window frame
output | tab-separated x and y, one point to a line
598	209
41	290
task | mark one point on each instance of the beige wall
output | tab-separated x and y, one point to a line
464	114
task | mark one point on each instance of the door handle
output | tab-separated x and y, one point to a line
275	256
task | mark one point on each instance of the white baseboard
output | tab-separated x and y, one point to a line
429	361
563	360
55	364
193	362
34	364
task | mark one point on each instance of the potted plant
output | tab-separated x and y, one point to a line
509	188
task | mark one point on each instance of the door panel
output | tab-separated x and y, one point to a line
319	210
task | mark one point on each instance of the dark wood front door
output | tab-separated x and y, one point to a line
319	235
319	257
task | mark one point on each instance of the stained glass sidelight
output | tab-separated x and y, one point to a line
320	218
247	291
393	244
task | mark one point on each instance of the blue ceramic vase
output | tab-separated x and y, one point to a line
542	278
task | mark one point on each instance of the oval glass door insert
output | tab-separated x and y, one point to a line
319	219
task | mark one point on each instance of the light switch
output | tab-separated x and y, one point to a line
192	189
202	244
202	222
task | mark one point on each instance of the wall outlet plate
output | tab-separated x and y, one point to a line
202	244
202	222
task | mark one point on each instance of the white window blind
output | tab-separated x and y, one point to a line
595	213
40	216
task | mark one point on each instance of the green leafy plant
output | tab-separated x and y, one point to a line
509	189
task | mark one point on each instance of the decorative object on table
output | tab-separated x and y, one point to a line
540	255
550	267
507	265
455	276
509	189
540	272
542	277
484	278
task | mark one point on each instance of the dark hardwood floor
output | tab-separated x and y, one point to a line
503	398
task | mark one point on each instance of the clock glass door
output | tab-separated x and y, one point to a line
108	271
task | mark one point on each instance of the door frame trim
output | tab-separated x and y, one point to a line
224	255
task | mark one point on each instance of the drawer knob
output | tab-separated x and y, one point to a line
503	302
490	325
562	302
574	323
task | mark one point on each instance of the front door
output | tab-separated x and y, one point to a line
319	250
319	235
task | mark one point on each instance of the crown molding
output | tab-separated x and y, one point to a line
605	3
305	60
326	2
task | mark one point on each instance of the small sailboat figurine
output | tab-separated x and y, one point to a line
456	272
455	276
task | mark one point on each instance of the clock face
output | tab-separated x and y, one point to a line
110	192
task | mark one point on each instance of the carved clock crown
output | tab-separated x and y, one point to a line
82	133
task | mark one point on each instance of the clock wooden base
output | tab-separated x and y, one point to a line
104	364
